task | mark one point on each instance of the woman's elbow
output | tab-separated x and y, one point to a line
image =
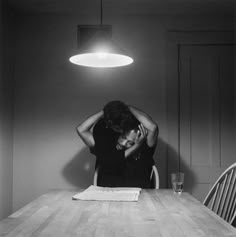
79	130
154	128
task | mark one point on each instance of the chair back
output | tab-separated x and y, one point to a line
222	197
153	177
95	177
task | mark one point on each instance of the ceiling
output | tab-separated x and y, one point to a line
123	6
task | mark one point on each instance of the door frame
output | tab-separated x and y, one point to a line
176	39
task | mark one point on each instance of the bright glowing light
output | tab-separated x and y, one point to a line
101	60
102	55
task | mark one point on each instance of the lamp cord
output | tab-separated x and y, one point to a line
101	12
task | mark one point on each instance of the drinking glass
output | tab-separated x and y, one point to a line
177	181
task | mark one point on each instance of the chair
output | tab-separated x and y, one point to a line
222	197
95	177
154	177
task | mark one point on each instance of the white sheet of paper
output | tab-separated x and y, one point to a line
96	193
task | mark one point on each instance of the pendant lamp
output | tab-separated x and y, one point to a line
97	49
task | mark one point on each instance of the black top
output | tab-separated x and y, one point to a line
114	169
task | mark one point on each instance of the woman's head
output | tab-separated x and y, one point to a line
128	139
118	117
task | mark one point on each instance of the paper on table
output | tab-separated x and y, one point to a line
96	193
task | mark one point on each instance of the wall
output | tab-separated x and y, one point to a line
52	96
6	160
235	81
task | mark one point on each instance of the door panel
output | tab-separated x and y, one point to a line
206	114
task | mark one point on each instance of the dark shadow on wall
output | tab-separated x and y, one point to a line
166	159
79	170
160	159
173	166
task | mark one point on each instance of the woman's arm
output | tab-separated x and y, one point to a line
84	129
148	123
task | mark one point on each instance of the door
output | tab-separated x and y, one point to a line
206	114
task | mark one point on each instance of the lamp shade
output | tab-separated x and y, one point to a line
97	49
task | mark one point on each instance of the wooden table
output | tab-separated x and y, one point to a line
157	213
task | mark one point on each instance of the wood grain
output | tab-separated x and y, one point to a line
158	213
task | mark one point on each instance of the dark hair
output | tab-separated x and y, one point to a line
118	117
129	123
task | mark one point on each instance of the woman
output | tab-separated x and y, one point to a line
123	139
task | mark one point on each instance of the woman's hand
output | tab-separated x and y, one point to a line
149	124
141	134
